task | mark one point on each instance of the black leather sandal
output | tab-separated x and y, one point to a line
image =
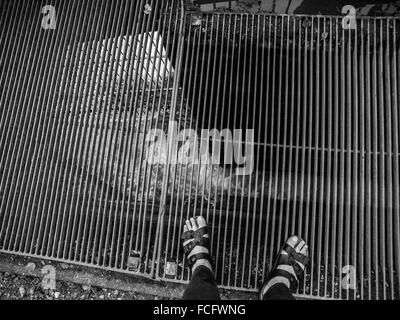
292	259
197	238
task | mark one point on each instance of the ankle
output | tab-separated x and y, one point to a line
273	282
204	263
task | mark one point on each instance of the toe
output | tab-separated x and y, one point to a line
304	251
194	223
300	246
185	228
293	241
201	222
189	225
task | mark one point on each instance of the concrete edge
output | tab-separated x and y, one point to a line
15	264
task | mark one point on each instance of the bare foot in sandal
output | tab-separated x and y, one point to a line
197	243
289	267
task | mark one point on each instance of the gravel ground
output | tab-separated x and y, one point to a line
14	286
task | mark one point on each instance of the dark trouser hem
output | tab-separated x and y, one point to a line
202	286
278	292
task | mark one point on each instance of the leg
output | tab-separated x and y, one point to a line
202	286
287	272
279	292
196	244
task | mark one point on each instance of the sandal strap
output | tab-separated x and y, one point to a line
204	242
196	235
298	270
192	260
295	256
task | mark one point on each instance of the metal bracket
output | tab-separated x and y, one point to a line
171	269
134	261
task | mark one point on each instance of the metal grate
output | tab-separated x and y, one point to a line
78	101
76	104
323	102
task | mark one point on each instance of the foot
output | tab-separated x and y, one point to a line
290	266
197	243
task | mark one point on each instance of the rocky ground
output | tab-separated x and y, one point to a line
333	7
19	287
29	278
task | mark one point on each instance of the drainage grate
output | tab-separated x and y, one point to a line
77	102
323	103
